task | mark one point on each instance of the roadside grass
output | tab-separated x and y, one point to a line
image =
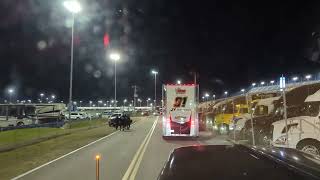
21	137
87	123
20	160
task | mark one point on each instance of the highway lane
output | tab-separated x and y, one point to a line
159	150
136	154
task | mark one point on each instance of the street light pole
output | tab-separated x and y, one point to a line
41	97
10	95
115	83
155	87
115	57
74	7
71	67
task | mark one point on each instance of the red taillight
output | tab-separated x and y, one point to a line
191	121
169	122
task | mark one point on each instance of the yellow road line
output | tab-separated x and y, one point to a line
138	153
135	170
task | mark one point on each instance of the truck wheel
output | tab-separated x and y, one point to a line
20	124
310	146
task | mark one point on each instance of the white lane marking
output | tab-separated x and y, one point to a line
135	170
50	162
135	157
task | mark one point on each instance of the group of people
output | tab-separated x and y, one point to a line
123	122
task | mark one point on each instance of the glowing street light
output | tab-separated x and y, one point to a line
53	97
308	77
272	82
10	92
139	100
262	83
242	90
41	96
148	101
214	97
253	84
178	82
115	57
74	7
226	93
155	73
295	78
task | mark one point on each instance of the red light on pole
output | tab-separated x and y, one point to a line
106	40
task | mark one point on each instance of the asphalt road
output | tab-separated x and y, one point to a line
139	153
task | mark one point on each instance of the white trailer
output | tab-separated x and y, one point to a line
180	116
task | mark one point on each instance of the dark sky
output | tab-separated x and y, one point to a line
228	43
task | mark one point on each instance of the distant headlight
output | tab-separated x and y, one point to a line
281	140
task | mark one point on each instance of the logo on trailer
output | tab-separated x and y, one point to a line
180	91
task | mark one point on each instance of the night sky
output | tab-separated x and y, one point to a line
229	45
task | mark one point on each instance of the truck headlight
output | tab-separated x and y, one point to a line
281	140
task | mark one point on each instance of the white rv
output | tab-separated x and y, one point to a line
17	115
303	128
180	116
50	112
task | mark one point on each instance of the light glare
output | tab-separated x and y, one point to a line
72	6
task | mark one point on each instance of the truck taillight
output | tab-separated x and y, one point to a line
191	122
169	122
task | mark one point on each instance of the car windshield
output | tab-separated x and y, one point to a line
108	89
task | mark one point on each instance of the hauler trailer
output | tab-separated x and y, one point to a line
180	116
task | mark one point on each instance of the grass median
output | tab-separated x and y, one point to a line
22	159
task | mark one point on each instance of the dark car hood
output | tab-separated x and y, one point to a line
231	162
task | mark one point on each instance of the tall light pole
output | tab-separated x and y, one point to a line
53	97
10	91
295	79
207	96
226	93
124	102
115	57
155	87
74	7
148	102
41	97
308	77
272	82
